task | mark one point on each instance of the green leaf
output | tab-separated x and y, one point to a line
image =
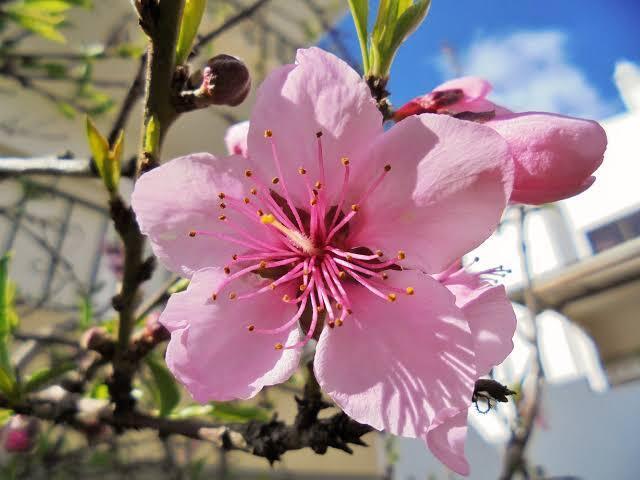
86	313
236	412
99	391
191	18
168	394
360	13
108	165
152	135
115	157
42	377
67	109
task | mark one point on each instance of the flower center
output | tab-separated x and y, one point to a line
304	247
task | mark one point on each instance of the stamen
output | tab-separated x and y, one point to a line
410	290
392	297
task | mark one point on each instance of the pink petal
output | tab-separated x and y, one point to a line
395	365
447	437
319	93
211	350
181	196
473	87
554	155
448	186
236	138
493	323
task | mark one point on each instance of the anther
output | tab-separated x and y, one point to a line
267	219
331	324
278	346
339	306
234	256
318	134
313	201
214	297
392	297
345	161
248	173
232	296
348	258
302	171
253	191
379	253
260	212
302	287
387	167
320	308
272	285
251	328
286	298
192	233
222	217
339	322
306	272
275	180
246	200
355	207
268	134
349	311
227	270
384	276
410	290
318	184
221	195
263	264
341	275
401	255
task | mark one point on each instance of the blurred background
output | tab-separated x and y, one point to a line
571	57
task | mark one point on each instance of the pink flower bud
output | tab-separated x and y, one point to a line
20	433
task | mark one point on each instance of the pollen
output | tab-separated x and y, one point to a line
268	134
302	287
345	161
260	212
267	219
286	298
251	328
263	264
318	184
401	255
222	217
192	233
339	306
223	205
227	270
272	285
232	296
275	180
313	201
246	200
253	191
278	346
331	324
379	253
410	291
302	171
339	322
349	258
221	195
248	173
392	297
387	167
320	308
355	207
341	275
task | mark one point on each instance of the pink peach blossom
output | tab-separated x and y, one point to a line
236	138
324	231
555	155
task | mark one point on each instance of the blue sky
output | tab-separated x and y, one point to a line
554	55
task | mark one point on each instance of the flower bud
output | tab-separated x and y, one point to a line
20	433
227	79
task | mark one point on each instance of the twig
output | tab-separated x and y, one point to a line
135	92
528	406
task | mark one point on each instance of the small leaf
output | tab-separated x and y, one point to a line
67	109
42	377
86	313
168	392
360	13
103	157
152	135
115	157
191	18
7	376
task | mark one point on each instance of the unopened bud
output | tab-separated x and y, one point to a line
228	80
20	433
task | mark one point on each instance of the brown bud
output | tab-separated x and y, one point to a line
229	80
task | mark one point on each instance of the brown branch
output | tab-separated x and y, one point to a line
529	405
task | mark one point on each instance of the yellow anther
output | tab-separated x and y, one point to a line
251	328
232	296
302	171
275	180
392	297
341	275
355	207
248	173
253	191
338	306
320	308
260	212
278	346
222	217
379	253
246	200
268	134
387	167
263	264
318	184
192	233
410	291
313	201
227	270
221	195
267	219
272	286
339	322
348	258
286	298
401	255
302	287
345	161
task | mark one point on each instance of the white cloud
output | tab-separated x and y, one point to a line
530	70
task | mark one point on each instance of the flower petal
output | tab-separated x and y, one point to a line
236	138
180	196
395	365
447	437
448	186
554	155
211	351
319	93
